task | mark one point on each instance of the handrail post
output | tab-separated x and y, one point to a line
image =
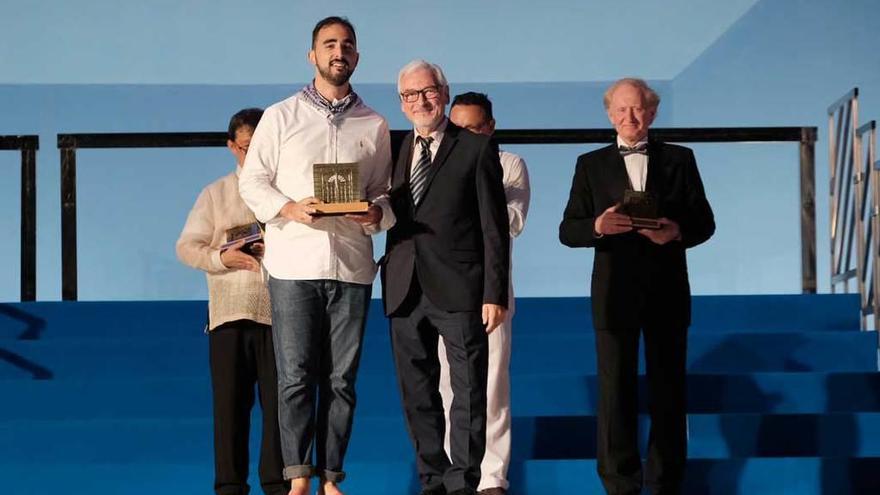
844	178
68	224
27	146
28	272
808	210
874	248
832	200
858	178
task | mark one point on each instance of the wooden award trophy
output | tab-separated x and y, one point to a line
251	233
337	185
641	208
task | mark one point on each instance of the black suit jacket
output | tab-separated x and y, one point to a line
457	238
636	282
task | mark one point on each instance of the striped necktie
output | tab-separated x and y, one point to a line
419	178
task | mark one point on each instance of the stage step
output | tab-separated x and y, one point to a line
764	313
532	395
754	476
544	316
784	398
712	436
187	356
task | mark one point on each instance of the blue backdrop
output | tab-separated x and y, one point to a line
103	67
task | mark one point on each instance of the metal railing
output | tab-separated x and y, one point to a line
28	145
854	189
842	123
805	136
69	143
865	182
875	248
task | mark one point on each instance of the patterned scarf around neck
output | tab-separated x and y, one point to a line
334	108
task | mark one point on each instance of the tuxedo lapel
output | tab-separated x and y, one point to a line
402	169
450	138
656	162
618	179
404	160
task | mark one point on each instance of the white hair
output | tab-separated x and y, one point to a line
419	64
651	98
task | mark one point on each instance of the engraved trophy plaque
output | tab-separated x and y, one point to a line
251	233
641	208
337	185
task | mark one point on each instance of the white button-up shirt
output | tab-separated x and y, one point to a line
516	190
636	165
292	136
437	138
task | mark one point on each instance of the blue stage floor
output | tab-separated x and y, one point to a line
114	398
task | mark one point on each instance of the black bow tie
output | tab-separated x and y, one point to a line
641	149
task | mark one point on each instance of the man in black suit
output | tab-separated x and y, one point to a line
639	285
444	273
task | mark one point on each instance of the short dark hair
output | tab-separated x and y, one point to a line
328	21
473	98
249	117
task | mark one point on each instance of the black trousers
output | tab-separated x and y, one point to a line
415	331
241	355
619	463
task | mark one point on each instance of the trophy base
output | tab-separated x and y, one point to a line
333	209
646	223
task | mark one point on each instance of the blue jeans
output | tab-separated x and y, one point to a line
318	329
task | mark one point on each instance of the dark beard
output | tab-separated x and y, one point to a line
336	80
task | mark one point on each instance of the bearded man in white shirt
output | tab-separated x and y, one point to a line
473	111
320	269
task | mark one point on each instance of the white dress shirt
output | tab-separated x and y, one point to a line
636	165
437	137
292	136
516	190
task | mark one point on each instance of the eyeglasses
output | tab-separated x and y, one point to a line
412	96
243	149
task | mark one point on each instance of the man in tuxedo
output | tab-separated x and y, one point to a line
639	286
444	273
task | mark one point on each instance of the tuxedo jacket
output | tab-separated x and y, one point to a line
456	240
636	282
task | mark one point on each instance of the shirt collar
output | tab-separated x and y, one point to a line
436	134
335	107
621	142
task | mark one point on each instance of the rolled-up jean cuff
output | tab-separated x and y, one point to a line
293	472
334	476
